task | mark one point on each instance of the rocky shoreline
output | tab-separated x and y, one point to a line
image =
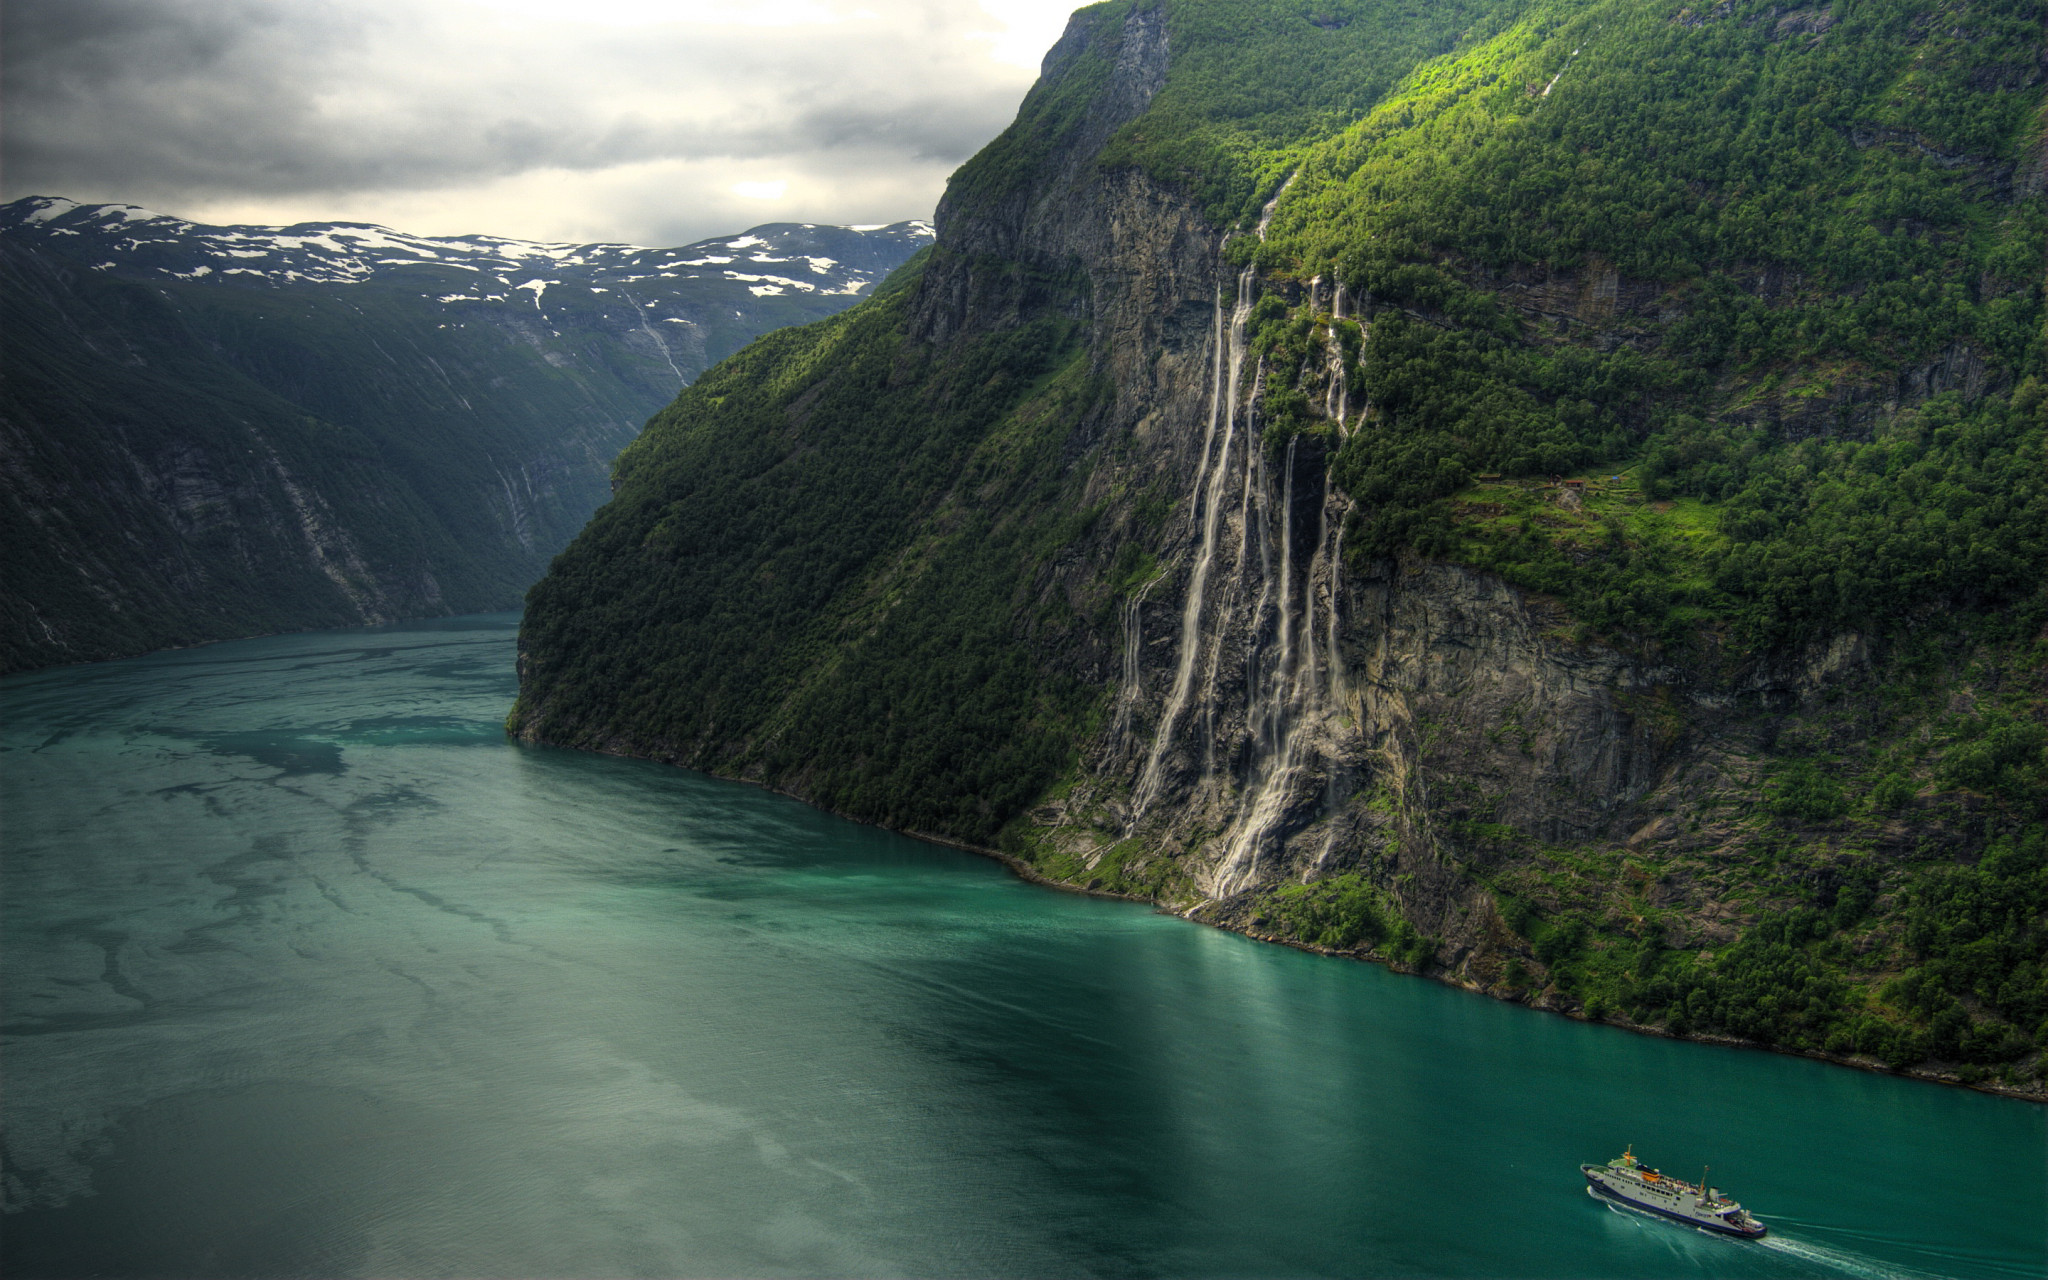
1217	916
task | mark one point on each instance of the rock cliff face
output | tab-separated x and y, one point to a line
1210	697
1265	693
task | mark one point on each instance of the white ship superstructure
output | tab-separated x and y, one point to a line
1634	1183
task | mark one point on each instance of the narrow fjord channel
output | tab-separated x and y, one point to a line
311	973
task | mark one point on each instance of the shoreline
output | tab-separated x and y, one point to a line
1031	875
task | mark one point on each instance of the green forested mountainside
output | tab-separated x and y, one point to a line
214	432
739	604
1863	160
1765	282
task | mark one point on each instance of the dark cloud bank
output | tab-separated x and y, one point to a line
195	104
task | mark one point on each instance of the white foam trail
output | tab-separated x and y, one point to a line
1816	1255
1851	1264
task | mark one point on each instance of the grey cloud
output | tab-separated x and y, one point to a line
157	91
91	41
162	101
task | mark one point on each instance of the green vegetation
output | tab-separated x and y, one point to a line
1252	85
1348	912
1720	327
1674	154
1952	971
1689	259
1896	890
803	561
1681	156
1340	912
1780	542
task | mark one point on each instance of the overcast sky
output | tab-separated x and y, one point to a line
646	121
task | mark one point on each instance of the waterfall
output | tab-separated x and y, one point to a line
1134	644
1297	700
1335	696
1286	664
1337	396
1266	212
1251	521
1291	678
1308	607
1259	632
1209	481
1268	722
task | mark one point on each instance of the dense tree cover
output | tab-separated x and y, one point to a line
1969	939
1817	230
1670	143
1254	84
1344	912
1945	510
1772	243
821	549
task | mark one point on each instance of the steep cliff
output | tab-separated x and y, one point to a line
1313	483
220	431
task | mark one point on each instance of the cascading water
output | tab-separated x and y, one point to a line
1251	594
1204	505
1292	702
1134	643
1251	640
1337	396
1251	522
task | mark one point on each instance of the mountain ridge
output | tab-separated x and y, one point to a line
215	432
1620	653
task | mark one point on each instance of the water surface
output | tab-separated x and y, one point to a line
311	973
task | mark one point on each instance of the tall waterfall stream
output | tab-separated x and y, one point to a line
1261	590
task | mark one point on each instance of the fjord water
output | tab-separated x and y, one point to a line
311	973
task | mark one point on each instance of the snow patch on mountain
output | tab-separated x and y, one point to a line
136	241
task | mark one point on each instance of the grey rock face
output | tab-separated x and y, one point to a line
1278	713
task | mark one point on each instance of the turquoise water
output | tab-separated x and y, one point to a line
309	972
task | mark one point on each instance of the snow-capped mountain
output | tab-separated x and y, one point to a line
783	257
717	291
215	431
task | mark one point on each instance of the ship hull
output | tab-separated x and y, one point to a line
1705	1223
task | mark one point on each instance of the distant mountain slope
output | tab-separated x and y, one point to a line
219	431
1547	492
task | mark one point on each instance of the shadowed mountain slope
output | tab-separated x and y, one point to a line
221	431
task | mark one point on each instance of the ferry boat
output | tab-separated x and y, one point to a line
1637	1185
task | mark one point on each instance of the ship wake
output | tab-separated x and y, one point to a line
1818	1256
